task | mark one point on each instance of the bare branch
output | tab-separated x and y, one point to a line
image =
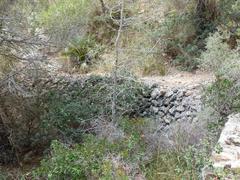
115	73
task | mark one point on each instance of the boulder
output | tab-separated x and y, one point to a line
230	144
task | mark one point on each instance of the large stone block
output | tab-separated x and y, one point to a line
230	143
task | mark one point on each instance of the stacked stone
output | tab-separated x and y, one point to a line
172	104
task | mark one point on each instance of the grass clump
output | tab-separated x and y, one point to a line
173	164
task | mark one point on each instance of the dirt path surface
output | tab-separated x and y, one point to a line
180	80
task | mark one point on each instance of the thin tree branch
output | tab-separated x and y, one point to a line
115	73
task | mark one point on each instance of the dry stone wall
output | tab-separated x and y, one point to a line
170	105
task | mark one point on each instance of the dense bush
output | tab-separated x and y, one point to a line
229	20
94	157
123	158
65	112
78	162
65	20
223	95
78	106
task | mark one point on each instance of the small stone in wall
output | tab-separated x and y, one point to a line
155	102
172	111
161	114
166	102
154	109
180	94
167	120
155	93
169	93
180	109
178	115
163	109
173	98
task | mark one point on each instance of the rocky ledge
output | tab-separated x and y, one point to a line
229	157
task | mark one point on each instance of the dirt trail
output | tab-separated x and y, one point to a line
180	80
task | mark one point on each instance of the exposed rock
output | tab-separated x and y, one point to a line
230	144
166	109
174	97
180	94
166	102
161	114
162	93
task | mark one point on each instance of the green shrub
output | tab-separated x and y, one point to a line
219	58
70	111
229	20
223	94
64	20
78	162
92	158
183	29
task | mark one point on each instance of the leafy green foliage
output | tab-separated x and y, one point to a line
71	112
78	162
224	96
219	58
93	158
